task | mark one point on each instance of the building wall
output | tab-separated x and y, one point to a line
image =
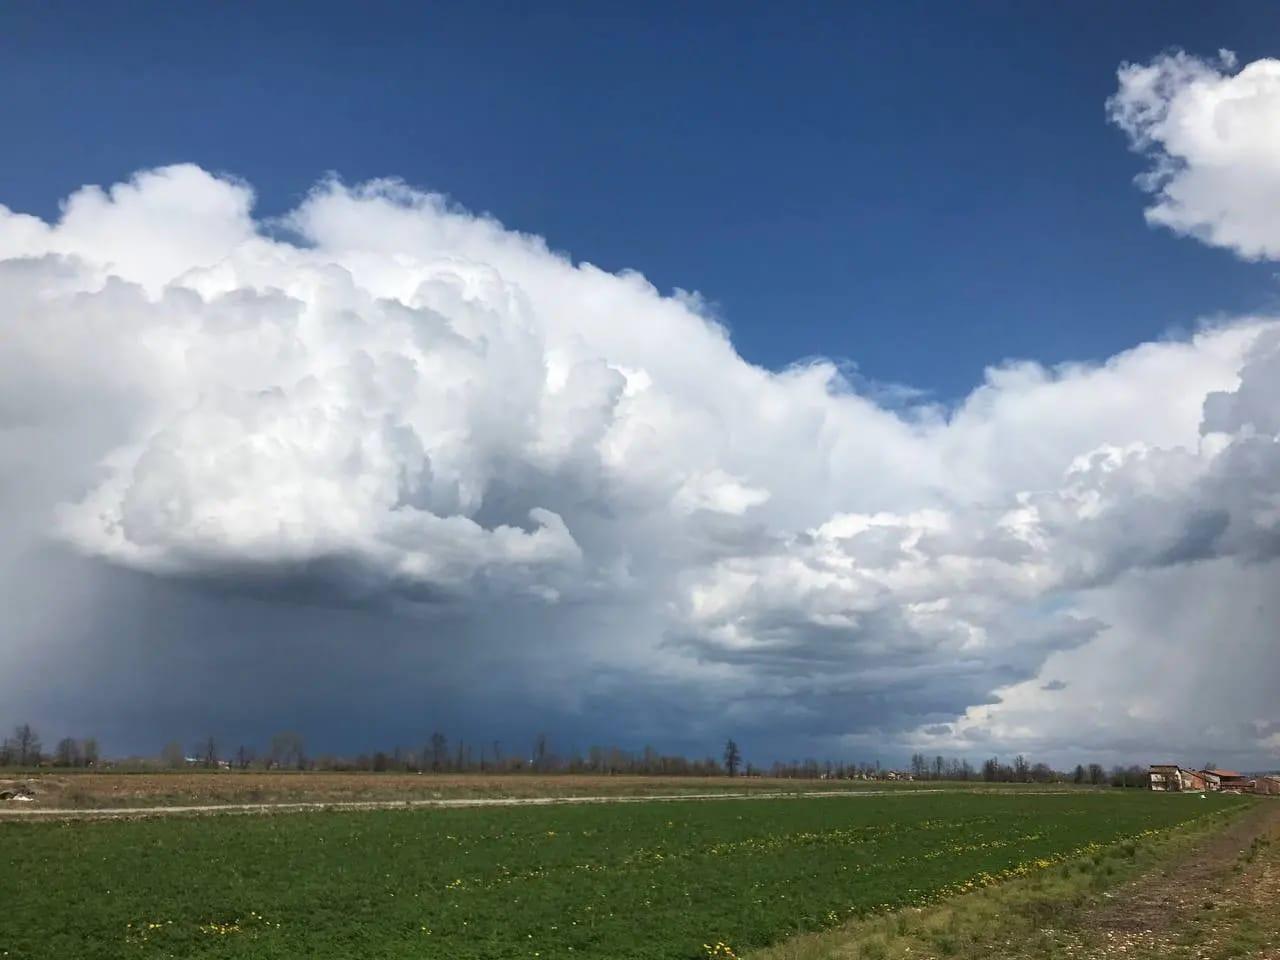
1192	781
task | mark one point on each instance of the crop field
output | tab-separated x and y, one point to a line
649	880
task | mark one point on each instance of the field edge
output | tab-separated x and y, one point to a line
1022	910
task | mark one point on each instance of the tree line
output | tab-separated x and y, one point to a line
24	749
1023	771
438	754
938	767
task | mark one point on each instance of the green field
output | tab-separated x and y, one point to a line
643	880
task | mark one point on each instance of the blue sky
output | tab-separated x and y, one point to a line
371	465
923	189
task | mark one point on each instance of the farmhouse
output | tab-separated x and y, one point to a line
1227	780
1171	777
1269	785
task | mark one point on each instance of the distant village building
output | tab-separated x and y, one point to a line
202	762
1169	777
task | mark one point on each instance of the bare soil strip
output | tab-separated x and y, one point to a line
89	813
187	788
113	790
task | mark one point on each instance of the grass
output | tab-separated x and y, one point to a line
677	881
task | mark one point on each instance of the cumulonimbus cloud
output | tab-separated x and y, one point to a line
416	404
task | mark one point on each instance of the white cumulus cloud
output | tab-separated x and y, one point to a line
1211	134
415	407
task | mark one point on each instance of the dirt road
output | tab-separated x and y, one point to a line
1219	899
71	813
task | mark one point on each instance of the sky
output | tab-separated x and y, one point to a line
847	381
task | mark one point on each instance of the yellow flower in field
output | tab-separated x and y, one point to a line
719	951
222	929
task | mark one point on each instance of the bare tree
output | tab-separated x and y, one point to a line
244	757
172	755
209	751
89	752
66	753
540	752
287	751
26	745
732	757
439	750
